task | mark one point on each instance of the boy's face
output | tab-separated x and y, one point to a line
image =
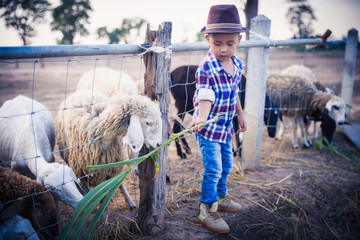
223	45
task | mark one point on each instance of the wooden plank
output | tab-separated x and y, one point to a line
352	131
149	61
150	217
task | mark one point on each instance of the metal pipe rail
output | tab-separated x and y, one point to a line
113	49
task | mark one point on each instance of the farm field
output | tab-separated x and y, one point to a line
294	194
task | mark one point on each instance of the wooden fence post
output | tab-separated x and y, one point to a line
150	217
255	95
347	82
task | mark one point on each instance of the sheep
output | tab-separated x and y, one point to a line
297	97
107	81
20	195
183	88
111	82
91	128
305	72
26	144
17	227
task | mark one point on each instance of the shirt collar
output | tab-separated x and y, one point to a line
218	67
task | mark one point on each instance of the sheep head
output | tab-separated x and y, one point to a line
272	114
62	181
336	109
145	125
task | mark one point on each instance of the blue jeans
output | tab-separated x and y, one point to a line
218	161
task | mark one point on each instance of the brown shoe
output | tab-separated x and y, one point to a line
228	205
211	219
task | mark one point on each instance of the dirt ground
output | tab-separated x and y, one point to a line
294	194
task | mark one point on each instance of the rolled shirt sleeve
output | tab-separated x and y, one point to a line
205	94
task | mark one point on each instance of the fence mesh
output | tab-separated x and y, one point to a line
50	81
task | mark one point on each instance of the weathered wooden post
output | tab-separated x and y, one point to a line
150	218
255	95
347	83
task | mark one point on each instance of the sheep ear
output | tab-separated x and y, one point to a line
135	134
328	106
14	209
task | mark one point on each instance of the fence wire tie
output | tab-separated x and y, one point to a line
156	49
270	42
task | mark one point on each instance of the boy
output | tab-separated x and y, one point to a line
217	86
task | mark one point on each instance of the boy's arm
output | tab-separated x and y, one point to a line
204	110
240	116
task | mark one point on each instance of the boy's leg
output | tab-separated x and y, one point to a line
225	204
227	159
211	156
209	216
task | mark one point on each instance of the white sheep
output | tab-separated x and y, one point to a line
305	72
298	97
111	82
108	82
22	196
27	142
91	128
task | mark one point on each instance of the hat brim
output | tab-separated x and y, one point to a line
223	30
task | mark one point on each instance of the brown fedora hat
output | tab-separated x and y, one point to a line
223	19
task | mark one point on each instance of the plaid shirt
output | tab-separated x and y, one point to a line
212	76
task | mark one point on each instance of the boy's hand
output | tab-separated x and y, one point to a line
194	123
242	123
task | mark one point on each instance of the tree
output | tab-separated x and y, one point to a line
70	19
251	11
126	30
23	15
301	15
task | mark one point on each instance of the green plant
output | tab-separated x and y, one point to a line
319	144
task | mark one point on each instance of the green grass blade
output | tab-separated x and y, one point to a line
82	219
89	206
82	207
117	164
104	205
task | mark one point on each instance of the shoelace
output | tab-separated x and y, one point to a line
214	215
225	200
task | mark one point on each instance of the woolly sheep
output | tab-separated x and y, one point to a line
31	200
183	88
90	130
108	82
26	143
305	72
298	97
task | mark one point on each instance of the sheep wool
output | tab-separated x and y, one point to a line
292	94
107	81
15	186
306	73
91	129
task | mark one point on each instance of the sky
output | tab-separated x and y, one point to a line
189	16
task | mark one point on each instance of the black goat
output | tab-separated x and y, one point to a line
183	87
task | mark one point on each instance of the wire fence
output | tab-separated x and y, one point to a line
51	80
